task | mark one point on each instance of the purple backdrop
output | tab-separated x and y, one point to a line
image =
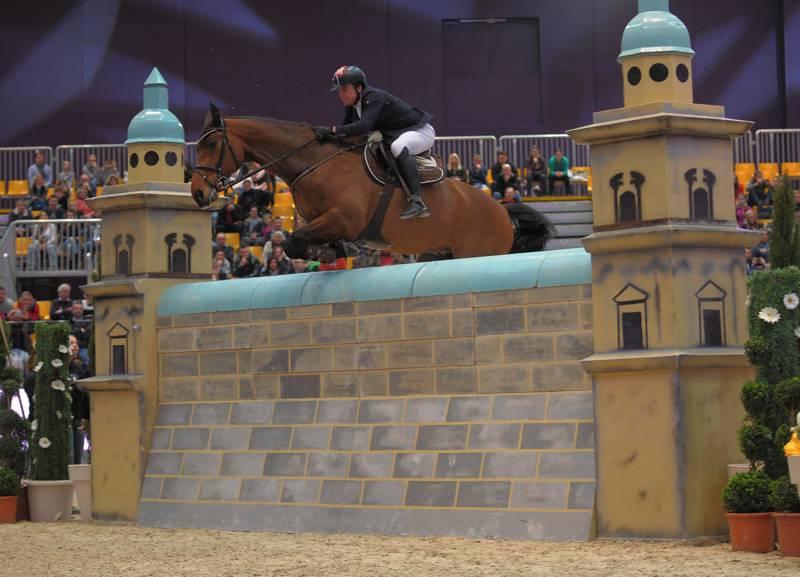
72	71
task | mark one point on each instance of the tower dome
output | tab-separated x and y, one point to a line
655	30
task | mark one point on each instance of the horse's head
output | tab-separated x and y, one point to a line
218	154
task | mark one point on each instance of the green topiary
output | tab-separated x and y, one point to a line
756	399
50	446
755	442
788	393
14	430
780	240
747	493
784	497
9	483
756	350
796	246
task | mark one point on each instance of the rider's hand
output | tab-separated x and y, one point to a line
324	133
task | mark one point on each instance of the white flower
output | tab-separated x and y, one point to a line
44	442
58	414
38	366
63	349
58	385
797	332
791	301
747	301
57	363
769	315
34	425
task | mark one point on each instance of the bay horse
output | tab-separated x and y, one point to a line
337	199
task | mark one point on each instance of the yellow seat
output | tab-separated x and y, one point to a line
281	187
36	213
283	211
44	309
2	187
51	192
18	187
283	199
768	169
288	224
232	238
23	242
489	177
744	172
790	168
99	191
256	251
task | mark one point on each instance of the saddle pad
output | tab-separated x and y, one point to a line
429	171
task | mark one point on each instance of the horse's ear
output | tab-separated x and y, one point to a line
215	117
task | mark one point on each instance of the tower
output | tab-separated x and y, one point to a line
668	292
154	236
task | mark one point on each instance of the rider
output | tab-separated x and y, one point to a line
407	129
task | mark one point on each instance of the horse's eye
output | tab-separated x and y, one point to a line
211	143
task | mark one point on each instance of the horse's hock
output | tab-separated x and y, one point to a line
398	400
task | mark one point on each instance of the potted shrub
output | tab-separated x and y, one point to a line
49	490
746	499
786	504
14	429
9	489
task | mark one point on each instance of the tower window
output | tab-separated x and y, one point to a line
631	304
627	203
151	157
118	346
682	72
634	75
134	161
711	314
701	200
659	72
171	158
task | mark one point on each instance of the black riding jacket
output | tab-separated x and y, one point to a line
382	111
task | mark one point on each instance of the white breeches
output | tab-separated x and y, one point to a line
417	141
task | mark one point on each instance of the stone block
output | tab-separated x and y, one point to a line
490	494
151	487
519	407
217	388
441	437
379	328
431	494
527	348
371	465
285	465
586	319
300	386
515	464
309	311
579	406
456	380
173	414
413	354
163	463
179	365
575	346
300	491
548	436
428	325
560	377
270	360
268	490
342	309
252	413
379	307
220	489
455	352
585	438
373	383
214	338
229	438
393	438
341	384
330	331
242	464
230	317
469	408
380	411
311	438
351	357
259	387
494	436
161	439
500	298
180	489
426	410
190	439
191	320
175	340
241	336
581	495
268	314
504	378
340	492
259	335
350	438
211	413
552	317
459	465
311	359
294	333
386	493
460	301
567	465
553	294
200	464
414	464
294	412
270	438
163	322
586	291
462	323
176	390
539	495
327	465
337	411
499	321
489	349
411	382
222	363
417	304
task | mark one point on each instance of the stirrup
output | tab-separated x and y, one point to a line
416	209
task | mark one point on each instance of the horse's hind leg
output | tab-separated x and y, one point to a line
327	227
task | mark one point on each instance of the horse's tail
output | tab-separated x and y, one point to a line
532	229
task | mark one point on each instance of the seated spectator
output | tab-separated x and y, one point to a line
741	211
246	264
39	166
81	327
93	172
6	304
86	182
559	172
230	217
477	173
751	220
763	245
454	168
44	241
757	261
25	309
278	239
271	268
80	400
277	225
53	210
38	192
299	266
536	177
61	194
70	241
83	208
252	229
113	180
20	212
497	169
247	195
221	243
510	196
507	178
109	170
61	307
284	262
264	181
221	266
759	195
67	175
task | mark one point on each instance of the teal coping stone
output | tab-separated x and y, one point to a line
655	30
481	274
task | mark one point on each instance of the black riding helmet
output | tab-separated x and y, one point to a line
348	75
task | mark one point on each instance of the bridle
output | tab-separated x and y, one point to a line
224	182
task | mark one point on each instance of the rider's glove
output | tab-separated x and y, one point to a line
324	133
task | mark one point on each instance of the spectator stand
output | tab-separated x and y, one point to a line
466	147
78	154
14	163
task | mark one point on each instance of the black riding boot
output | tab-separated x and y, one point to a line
408	168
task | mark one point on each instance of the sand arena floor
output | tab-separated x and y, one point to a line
104	549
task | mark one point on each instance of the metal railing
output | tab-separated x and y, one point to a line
744	148
78	154
519	147
14	162
466	147
778	145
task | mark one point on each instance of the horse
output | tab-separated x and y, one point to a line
337	198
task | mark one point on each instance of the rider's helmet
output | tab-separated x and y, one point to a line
348	75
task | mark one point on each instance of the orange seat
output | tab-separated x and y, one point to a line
256	251
744	172
18	187
280	187
768	169
283	199
283	211
2	187
23	242
790	168
51	192
44	309
232	239
99	191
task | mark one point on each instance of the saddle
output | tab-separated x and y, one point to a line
376	152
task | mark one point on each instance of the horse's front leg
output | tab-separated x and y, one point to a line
327	227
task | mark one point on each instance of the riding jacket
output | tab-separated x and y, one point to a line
381	111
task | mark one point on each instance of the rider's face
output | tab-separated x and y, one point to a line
348	94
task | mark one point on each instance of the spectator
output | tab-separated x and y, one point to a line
109	170
86	182
278	239
271	267
497	169
757	261
763	245
298	266
93	171
6	304
759	195
38	192
80	401
507	178
477	174
67	175
61	307
83	208
751	220
20	212
246	264
61	194
536	178
44	240
25	309
220	265
559	172
251	195
264	182
70	240
230	217
53	210
39	166
741	211
113	180
284	262
454	168
277	225
252	229
221	244
81	327
510	196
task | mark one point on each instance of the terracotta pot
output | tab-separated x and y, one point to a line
754	532
50	500
788	533
794	469
81	477
8	509
738	468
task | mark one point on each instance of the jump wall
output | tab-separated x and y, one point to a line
430	399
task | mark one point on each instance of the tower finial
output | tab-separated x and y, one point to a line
653	5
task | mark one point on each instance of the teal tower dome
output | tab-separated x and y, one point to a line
155	123
655	30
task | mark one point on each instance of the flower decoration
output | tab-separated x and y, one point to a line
769	315
58	385
747	301
797	332
791	301
57	363
38	366
58	414
44	443
64	350
34	424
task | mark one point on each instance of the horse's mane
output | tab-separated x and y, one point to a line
208	124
